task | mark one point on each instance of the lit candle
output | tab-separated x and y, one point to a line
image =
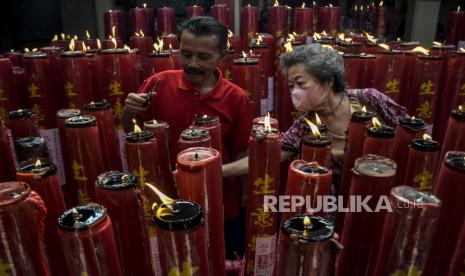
249	24
245	71
389	69
62	115
415	214
379	20
221	13
260	121
316	146
23	123
194	137
234	42
277	20
305	246
454	139
453	26
379	140
31	148
159	62
141	19
170	42
7	161
303	21
114	24
329	18
349	47
165	19
367	70
194	11
263	51
144	44
22	218
199	179
86	231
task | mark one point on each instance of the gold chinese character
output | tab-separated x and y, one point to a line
34	91
5	268
263	186
227	75
424	180
187	270
425	110
84	274
115	88
2	97
263	218
117	111
83	197
250	267
78	171
427	88
3	114
69	88
39	114
252	244
412	271
462	90
140	174
392	87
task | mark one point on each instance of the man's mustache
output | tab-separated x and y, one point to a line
193	71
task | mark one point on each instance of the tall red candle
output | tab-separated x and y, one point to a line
303	21
372	176
114	24
277	21
352	70
409	61
142	19
85	153
379	141
165	19
454	139
451	190
161	132
159	62
86	235
367	70
266	56
23	123
22	217
198	177
263	180
53	54
453	26
9	94
183	239
305	246
194	11
221	13
389	69
260	121
317	147
213	125
329	19
226	64
19	79
108	141
144	44
7	161
379	20
422	163
76	78
122	195
372	48
42	178
249	24
110	43
245	71
414	215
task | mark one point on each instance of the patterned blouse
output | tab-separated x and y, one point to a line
386	109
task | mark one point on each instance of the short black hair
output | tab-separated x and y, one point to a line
206	26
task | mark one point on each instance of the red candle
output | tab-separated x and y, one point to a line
454	138
249	24
221	13
41	89
20	81
264	53
122	195
317	147
425	87
159	62
141	19
86	231
114	24
226	64
277	21
457	266
451	190
9	94
23	123
75	72
352	70
7	161
409	69
260	121
379	140
170	42
194	11
407	129
15	57
307	179
372	176
408	46
183	239
245	71
91	44
415	214
108	141
271	42
354	48
110	43
213	125
303	21
234	42
422	163
194	137
283	106
453	26
161	132
329	19
379	20
263	180
144	44
388	73
31	148
42	178
22	217
356	133
165	19
198	177
367	70
305	247
85	153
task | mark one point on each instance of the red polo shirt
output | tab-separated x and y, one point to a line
178	103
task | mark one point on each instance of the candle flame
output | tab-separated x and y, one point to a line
364	109
63	36
38	164
427	137
328	47
154	122
361	7
144	5
259	39
72	45
303	5
413	118
276	3
136	126
398	39
422	50
26	50
436	43
288	47
341	36
381	3
113	31
317	119
267	122
87	34
115	44
75	37
55	38
324	33
141	33
34	50
355	8
244	55
110	10
136	34
205	116
461	108
164	198
84	48
384	46
316	36
290	38
348	39
313	127
462	50
376	123
126	47
99	44
330	5
314	3
307	221
458	8
230	33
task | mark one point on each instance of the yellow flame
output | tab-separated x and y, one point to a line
355	8
141	33
75	37
303	5
113	31
99	44
230	33
136	34
72	45
244	55
330	5
126	47
376	123
328	46
398	39
307	221
55	38
259	39
63	36
317	119
290	38
364	109
87	34
422	50
436	43
381	3
114	42
26	50
144	5
170	47
427	137
384	46
458	8
372	40
267	122
34	50
313	127
348	39
316	36
462	50
110	10
164	198
38	164
361	7
288	47
276	3
341	36
84	48
324	33
137	129
155	122
461	108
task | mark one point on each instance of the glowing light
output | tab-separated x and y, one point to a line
55	38
303	5
461	108
144	5
72	45
436	43
164	198
427	137
38	164
136	127
63	36
317	119
230	34
113	31
381	3
87	34
313	127
384	46
267	122
259	39
288	47
99	44
307	221
126	47
422	50
115	44
376	123
341	36
276	3
316	36
364	109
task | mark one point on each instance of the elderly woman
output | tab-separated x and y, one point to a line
316	81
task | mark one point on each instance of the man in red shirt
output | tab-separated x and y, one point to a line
200	89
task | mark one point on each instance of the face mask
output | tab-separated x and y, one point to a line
306	99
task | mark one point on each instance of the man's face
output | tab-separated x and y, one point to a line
199	56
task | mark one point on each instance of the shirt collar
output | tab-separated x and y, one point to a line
216	93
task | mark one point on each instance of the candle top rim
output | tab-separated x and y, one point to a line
194	133
416	125
21	113
458	53
200	121
82	217
68	113
457	114
363	55
178	216
375	166
81	121
159	123
163	53
360	116
381	132
321	128
415	197
30	141
259	132
115	180
97	106
409	43
39	55
262	45
429	57
113	51
46	167
188	156
12	192
320	229
447	46
69	54
245	61
323	140
309	168
390	52
455	160
425	145
136	137
349	44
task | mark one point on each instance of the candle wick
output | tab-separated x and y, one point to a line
196	157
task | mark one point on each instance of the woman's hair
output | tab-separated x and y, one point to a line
322	63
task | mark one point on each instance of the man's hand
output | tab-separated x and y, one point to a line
137	102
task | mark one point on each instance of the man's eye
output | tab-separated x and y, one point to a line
184	54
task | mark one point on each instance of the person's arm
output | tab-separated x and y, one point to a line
134	104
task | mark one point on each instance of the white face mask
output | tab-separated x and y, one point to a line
306	100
